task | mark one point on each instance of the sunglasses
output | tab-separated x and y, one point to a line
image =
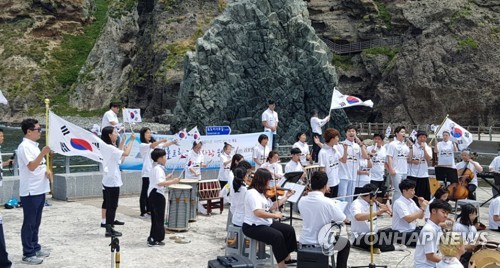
36	129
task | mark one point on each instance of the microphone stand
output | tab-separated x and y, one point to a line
372	263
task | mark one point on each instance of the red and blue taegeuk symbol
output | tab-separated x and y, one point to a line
352	100
132	115
182	134
80	144
456	132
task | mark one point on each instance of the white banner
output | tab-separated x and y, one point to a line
340	101
131	115
212	147
458	134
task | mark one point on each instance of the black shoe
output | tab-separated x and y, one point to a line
103	225
117	222
155	243
110	232
291	261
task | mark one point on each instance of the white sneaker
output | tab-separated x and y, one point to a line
202	209
399	247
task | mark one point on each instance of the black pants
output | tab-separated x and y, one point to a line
4	256
422	188
472	191
409	239
32	218
316	148
334	192
111	195
363	241
279	235
143	200
157	204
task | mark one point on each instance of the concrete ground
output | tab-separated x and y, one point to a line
70	230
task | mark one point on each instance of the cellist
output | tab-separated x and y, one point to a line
474	167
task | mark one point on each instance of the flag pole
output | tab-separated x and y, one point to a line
47	156
438	129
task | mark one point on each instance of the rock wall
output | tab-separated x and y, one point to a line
255	51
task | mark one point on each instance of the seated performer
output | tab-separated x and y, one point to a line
294	164
360	223
258	223
406	213
317	211
441	193
494	218
273	165
426	251
466	165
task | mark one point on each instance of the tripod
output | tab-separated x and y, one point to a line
372	264
115	246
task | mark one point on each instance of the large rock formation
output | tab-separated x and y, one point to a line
255	51
449	62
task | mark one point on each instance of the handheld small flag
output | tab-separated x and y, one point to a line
132	115
195	134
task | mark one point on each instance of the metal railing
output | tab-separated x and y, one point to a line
360	46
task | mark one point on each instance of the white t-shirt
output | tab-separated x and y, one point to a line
224	170
360	206
253	201
468	232
238	204
293	166
470	166
317	123
157	176
446	154
419	170
272	119
274	168
112	176
402	208
495	164
304	148
260	152
329	158
428	243
378	161
31	182
399	151
362	178
449	262
109	117
427	213
316	211
348	170
194	161
494	210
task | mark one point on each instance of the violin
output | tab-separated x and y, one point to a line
274	192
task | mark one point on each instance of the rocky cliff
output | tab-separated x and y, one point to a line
254	51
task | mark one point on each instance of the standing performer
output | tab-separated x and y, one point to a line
157	197
301	143
397	160
316	125
270	121
112	177
225	173
378	155
469	164
419	157
33	185
329	160
260	151
148	143
446	150
196	161
4	256
258	223
110	117
350	162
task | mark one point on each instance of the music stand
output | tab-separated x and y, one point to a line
446	174
292	176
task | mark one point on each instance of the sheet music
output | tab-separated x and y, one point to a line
281	181
299	189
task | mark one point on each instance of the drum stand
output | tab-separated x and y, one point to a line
372	264
115	246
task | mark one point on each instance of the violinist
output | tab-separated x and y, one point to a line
258	223
272	164
406	213
237	191
471	167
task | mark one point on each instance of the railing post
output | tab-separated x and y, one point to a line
478	132
15	166
369	129
490	133
66	164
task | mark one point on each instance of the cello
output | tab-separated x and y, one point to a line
459	190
